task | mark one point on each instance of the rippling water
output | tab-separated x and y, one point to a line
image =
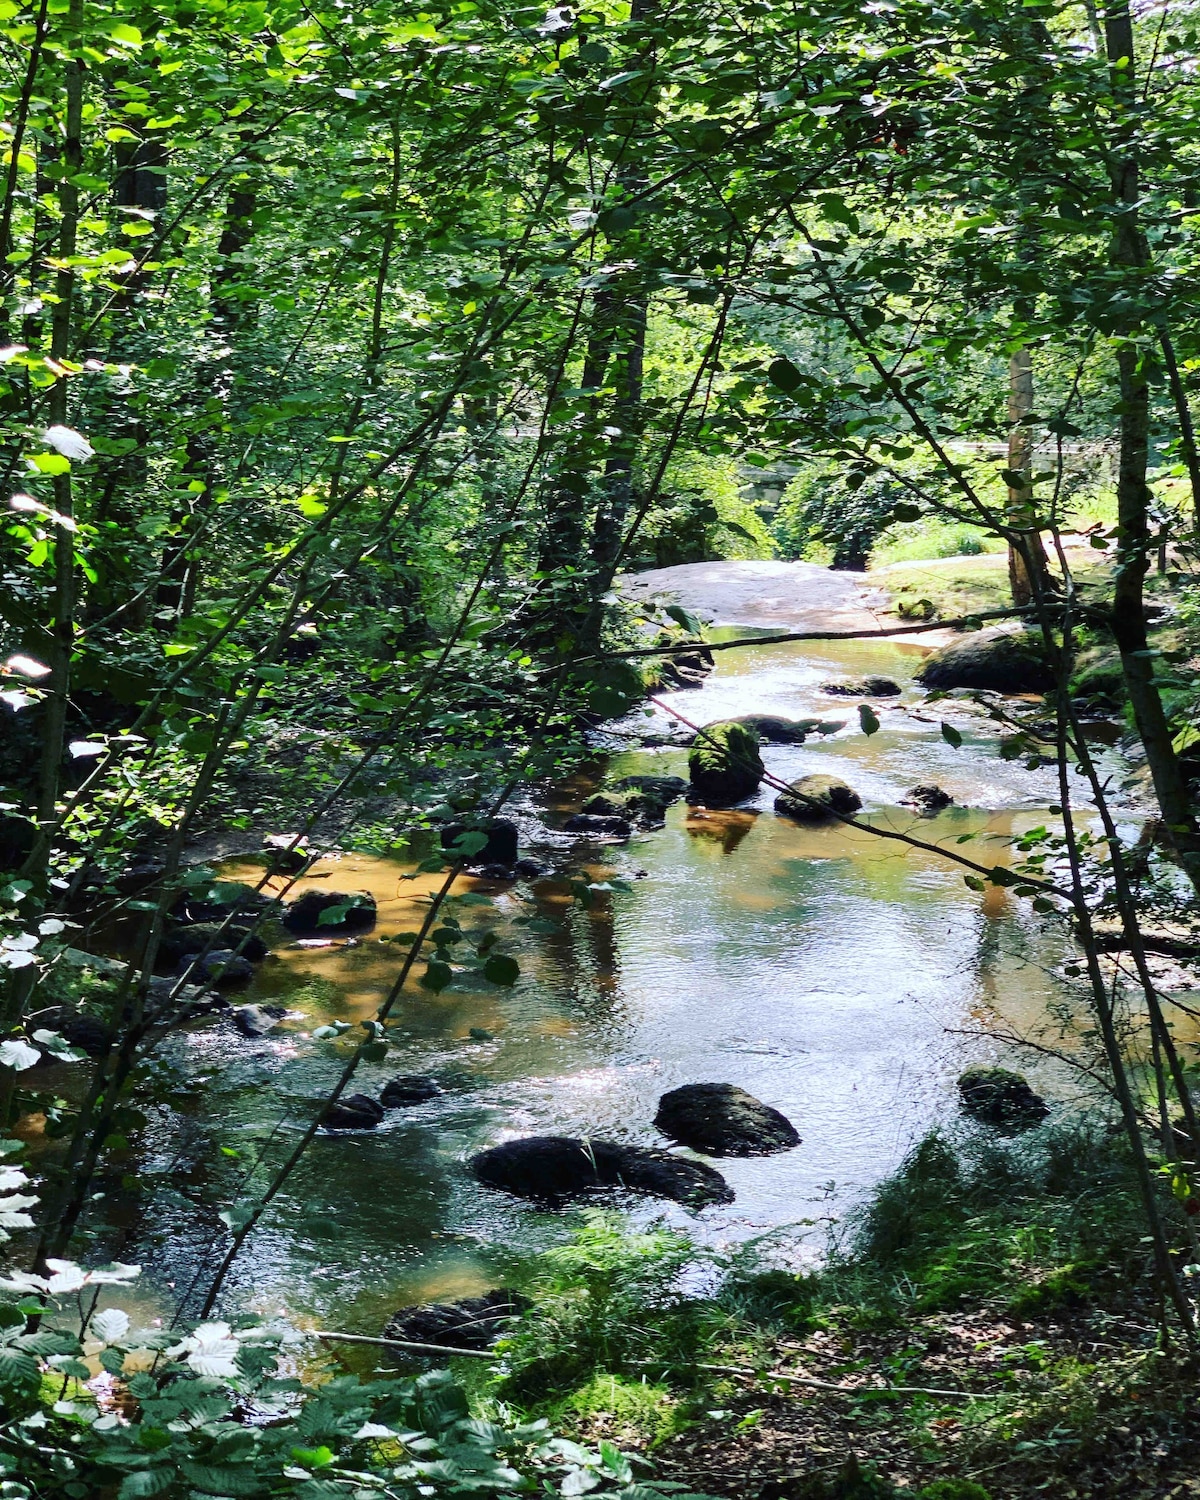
827	972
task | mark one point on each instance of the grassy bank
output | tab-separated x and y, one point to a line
987	1326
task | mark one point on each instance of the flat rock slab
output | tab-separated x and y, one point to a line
766	594
552	1168
721	1119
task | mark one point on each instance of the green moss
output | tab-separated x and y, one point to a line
725	764
639	1411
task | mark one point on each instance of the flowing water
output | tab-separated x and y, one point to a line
843	979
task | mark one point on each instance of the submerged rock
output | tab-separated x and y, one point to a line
89	1034
863	687
501	835
995	660
598	823
355	912
658	790
724	763
555	1167
641	799
532	869
353	1112
470	1323
724	1120
999	1097
408	1089
222	967
189	909
140	876
815	799
928	800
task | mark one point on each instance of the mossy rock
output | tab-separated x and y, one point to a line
724	763
1098	674
994	660
607	804
999	1097
816	799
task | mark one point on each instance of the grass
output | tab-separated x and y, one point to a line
958	586
1015	1268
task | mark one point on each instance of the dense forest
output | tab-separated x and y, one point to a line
388	396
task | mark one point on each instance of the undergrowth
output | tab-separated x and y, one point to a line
1038	1236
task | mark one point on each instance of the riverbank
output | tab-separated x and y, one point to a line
990	1321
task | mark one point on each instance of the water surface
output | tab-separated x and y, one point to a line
843	979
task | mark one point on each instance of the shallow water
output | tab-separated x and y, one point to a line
828	972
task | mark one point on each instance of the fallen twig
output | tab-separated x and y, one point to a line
829	1385
362	1338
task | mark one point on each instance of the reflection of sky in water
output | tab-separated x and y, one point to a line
818	968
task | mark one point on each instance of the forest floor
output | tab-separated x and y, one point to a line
1067	1407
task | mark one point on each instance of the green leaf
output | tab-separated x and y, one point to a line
437	976
470	843
683	617
313	1458
783	373
49	463
146	1483
951	735
502	968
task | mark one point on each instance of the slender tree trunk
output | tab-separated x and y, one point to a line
1133	492
562	542
62	627
1187	427
182	564
617	495
1020	496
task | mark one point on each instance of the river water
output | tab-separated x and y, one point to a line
841	978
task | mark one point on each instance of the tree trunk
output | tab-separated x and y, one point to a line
1133	493
1020	496
181	566
617	493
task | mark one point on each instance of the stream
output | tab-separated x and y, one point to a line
843	979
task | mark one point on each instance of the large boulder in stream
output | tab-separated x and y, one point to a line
353	1112
721	1119
816	799
222	967
551	1168
1000	661
928	799
180	942
724	763
773	730
469	1323
999	1097
407	1090
324	913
